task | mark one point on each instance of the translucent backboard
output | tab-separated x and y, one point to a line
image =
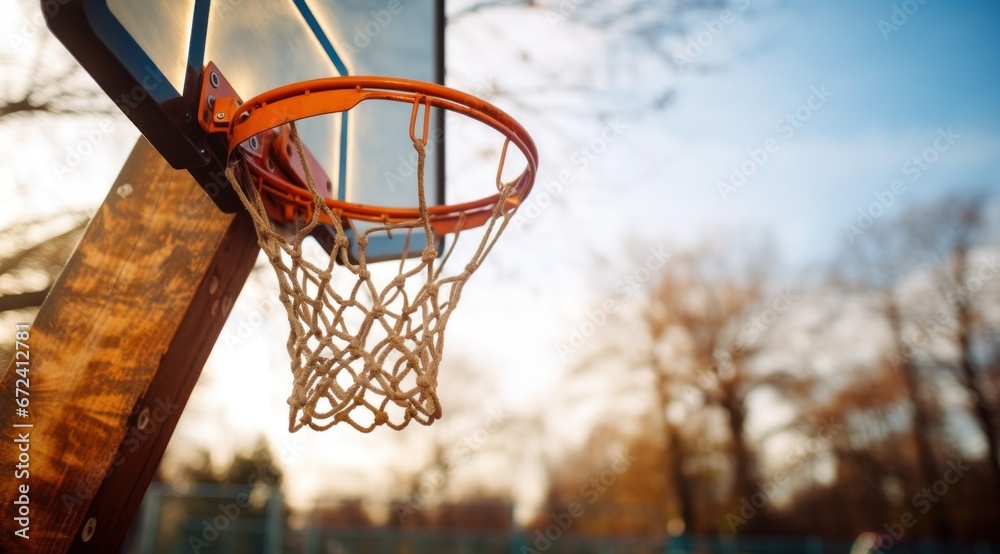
149	55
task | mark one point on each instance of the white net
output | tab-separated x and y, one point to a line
367	355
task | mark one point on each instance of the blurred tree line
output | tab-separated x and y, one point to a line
866	400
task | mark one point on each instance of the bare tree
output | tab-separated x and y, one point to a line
707	308
698	342
883	260
40	79
643	40
32	253
951	229
869	448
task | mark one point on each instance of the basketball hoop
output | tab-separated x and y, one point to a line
367	356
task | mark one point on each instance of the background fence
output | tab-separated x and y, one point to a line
216	518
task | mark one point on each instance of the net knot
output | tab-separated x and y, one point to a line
381	417
429	255
298	397
364	274
471	267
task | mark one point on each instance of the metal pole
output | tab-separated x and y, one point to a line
150	518
274	522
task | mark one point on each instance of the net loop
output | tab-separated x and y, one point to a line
503	161
427	119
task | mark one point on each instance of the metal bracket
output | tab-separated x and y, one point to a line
273	149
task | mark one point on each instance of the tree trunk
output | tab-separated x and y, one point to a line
685	496
673	456
981	405
743	470
921	424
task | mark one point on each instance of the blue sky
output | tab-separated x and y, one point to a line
940	69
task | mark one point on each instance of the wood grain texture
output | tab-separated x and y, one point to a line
127	326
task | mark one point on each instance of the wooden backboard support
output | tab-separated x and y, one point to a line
115	351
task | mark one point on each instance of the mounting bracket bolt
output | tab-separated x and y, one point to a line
143	420
88	529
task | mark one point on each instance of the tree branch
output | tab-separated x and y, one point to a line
24	105
20	301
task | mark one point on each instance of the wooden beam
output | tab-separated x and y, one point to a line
114	353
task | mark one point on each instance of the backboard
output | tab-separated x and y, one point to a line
149	57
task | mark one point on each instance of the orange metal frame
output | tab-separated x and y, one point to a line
282	185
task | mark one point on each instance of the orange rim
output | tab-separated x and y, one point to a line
331	95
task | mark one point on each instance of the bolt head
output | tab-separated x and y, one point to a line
88	529
143	421
220	115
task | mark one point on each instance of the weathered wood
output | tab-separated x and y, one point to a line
115	351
